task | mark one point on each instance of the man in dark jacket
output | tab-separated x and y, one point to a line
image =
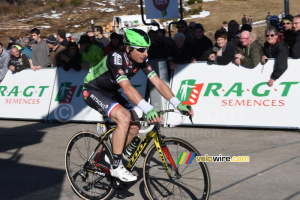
288	32
18	61
249	51
202	45
296	46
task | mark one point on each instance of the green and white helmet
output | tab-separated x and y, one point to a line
137	37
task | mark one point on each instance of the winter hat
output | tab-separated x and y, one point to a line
114	35
52	40
288	18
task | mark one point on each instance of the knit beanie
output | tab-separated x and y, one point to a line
52	40
288	18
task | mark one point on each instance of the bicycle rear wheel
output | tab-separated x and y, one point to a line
191	182
85	183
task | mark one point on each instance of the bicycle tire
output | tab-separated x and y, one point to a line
85	184
157	182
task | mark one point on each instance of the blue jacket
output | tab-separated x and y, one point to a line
27	51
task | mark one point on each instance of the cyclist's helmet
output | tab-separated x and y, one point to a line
274	18
137	37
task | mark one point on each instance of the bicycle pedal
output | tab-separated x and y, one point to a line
119	185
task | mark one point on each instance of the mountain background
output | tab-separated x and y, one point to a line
18	17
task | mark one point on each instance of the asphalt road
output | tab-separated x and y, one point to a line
32	162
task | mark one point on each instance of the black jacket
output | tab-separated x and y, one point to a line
296	46
228	53
20	63
202	48
280	52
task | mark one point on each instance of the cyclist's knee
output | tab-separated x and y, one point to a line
134	129
123	118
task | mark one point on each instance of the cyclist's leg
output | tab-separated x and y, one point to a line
134	127
106	103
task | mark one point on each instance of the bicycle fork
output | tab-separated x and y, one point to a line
164	154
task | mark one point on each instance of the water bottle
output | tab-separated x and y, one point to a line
130	149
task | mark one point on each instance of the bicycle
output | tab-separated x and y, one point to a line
88	170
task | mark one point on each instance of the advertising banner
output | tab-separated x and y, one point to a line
27	94
161	9
236	96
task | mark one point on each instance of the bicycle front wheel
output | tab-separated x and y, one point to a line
81	153
188	181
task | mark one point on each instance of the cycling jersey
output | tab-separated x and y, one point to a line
102	82
113	69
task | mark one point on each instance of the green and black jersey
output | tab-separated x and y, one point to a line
112	69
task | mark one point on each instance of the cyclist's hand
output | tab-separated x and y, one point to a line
153	117
185	109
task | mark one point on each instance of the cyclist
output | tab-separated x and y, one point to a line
101	93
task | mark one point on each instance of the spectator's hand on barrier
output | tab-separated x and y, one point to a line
238	55
271	82
12	68
212	57
153	117
193	60
264	59
185	109
237	61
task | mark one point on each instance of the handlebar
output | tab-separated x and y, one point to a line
162	112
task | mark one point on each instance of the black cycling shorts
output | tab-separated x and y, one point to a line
105	102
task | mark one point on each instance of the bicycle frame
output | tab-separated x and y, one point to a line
161	149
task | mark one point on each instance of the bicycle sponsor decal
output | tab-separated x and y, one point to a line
237	94
207	158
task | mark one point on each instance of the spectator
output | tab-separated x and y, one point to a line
91	53
274	21
12	42
56	49
223	52
40	51
249	51
202	45
160	46
233	33
69	37
278	49
4	60
225	26
25	47
99	36
268	19
191	27
71	58
281	16
182	27
181	54
246	27
244	20
288	32
296	46
116	41
250	20
18	61
91	34
61	37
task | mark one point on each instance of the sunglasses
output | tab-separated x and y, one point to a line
140	49
286	23
271	35
180	26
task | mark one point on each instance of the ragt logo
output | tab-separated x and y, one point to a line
66	92
189	92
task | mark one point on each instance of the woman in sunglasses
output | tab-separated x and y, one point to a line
101	93
278	49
